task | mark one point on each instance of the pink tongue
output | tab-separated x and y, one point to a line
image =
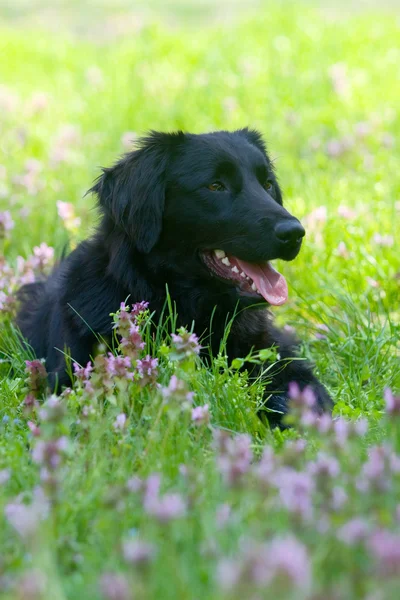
271	284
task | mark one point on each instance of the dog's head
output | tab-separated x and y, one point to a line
211	203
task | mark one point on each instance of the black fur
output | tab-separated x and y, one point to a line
158	216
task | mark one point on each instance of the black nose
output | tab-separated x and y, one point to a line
289	231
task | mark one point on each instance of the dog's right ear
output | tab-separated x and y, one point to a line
132	192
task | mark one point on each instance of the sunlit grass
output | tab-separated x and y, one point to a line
323	90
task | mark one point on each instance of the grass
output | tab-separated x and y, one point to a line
323	92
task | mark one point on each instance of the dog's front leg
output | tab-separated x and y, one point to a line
288	370
257	332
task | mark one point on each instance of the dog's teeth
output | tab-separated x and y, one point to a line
225	261
248	278
253	287
219	253
235	269
243	274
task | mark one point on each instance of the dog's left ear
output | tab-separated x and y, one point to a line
254	137
132	192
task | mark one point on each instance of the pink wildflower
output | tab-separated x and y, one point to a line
4	476
222	515
132	343
125	323
49	454
163	508
392	403
37	377
128	139
119	366
83	373
339	498
346	213
372	282
324	466
302	403
289	558
295	491
25	518
317	217
234	456
66	212
387	140
134	484
185	343
385	547
266	467
120	422
376	470
43	257
6	223
201	415
147	369
37	103
9	99
324	423
341	428
137	552
53	410
115	586
383	240
34	429
360	427
177	393
362	129
8	303
138	308
335	148
339	78
354	531
285	559
342	250
32	585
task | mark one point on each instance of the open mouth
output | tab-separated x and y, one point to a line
251	279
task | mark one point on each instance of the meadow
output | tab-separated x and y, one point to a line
153	477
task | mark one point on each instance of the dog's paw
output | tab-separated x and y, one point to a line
277	405
323	401
275	409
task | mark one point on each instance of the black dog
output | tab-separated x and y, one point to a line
201	213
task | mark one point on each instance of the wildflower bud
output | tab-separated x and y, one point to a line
37	377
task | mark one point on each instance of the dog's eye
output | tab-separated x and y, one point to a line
217	186
268	186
